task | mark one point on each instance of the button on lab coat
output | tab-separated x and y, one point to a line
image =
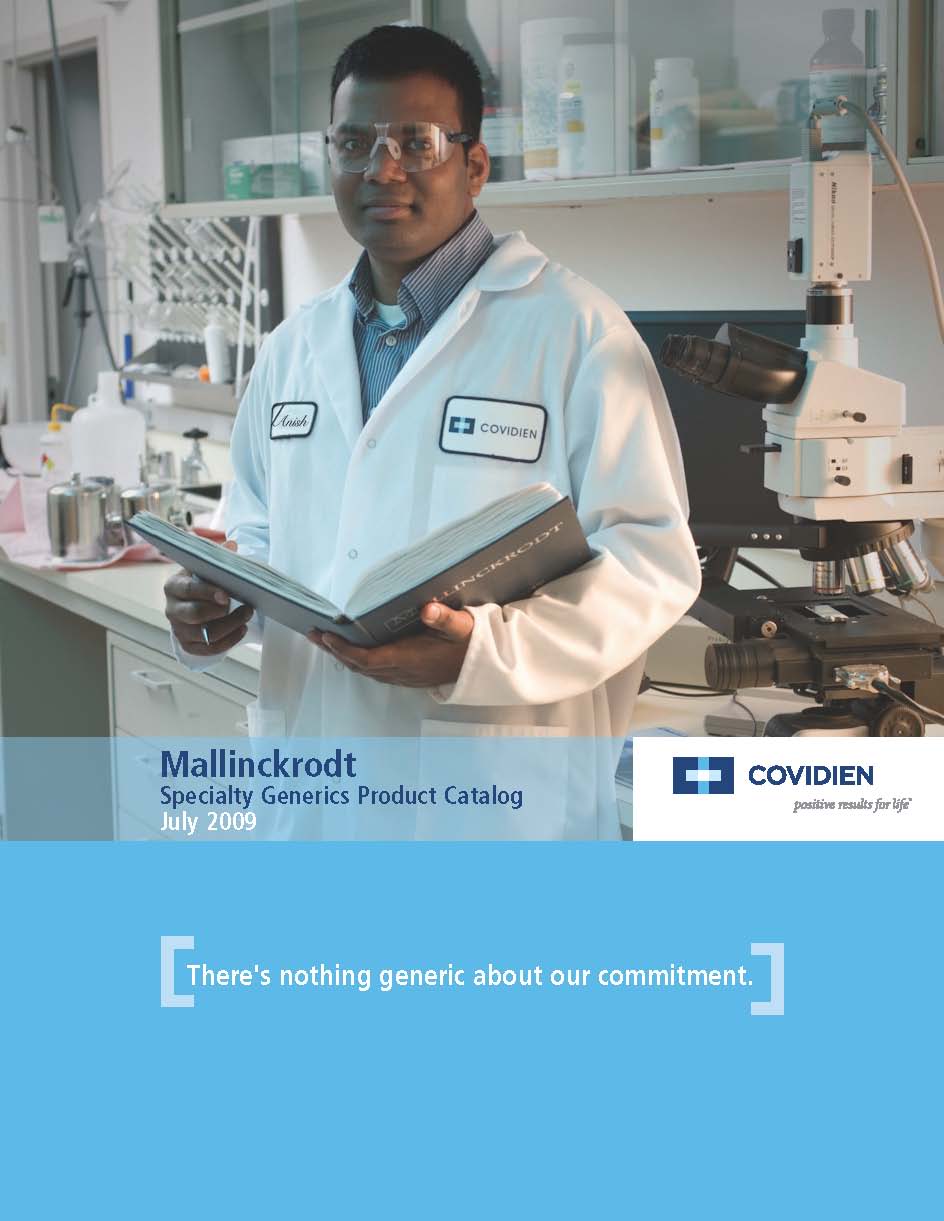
565	663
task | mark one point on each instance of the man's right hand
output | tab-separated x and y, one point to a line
193	604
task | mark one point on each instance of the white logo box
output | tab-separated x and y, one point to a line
779	793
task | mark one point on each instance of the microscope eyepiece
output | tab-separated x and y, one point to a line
739	363
700	360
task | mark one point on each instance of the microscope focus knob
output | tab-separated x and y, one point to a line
897	721
842	479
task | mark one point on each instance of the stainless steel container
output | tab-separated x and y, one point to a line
77	514
161	499
113	492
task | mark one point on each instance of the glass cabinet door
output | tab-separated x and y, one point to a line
572	90
225	99
626	86
927	39
325	28
254	91
935	139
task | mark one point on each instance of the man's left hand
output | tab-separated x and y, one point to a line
430	659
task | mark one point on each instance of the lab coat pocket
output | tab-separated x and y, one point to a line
494	782
265	722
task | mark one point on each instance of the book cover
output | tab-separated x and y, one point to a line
547	546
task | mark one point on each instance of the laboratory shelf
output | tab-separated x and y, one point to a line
926	170
561	193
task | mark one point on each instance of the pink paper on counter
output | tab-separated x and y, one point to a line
136	553
27	543
11	510
33	552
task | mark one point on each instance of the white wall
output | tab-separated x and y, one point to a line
85	123
676	254
130	95
131	70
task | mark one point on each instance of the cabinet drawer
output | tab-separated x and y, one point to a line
153	699
138	781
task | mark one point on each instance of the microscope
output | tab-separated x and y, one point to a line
839	456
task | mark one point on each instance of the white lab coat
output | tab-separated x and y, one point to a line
564	663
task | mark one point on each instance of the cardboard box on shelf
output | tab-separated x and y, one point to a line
273	167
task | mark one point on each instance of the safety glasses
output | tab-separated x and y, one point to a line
414	146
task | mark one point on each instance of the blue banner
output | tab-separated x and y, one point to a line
532	1030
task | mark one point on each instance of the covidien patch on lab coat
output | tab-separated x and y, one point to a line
292	420
493	428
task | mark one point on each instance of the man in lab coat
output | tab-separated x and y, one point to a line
437	308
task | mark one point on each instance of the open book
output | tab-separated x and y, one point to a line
500	553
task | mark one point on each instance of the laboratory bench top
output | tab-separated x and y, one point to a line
126	597
87	654
123	598
128	600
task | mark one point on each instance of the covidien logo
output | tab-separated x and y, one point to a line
462	423
703	775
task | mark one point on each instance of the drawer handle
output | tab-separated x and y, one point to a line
152	684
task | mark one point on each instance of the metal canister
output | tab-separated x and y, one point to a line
161	499
77	516
112	500
114	526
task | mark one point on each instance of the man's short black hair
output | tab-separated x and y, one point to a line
391	52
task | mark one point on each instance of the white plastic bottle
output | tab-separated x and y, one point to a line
674	115
542	41
108	438
571	128
586	141
217	352
55	456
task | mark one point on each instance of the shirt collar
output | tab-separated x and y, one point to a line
430	287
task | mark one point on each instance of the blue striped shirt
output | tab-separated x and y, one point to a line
424	294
